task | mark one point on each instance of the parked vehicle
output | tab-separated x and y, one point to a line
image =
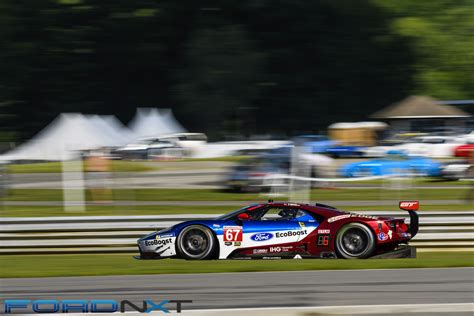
172	145
346	151
465	150
144	148
253	174
433	146
396	162
455	170
315	143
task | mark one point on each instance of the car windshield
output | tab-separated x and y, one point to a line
232	214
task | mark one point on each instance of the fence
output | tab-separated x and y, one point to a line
443	231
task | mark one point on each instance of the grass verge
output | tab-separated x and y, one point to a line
215	195
55	167
105	210
94	265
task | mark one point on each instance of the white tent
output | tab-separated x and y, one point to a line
117	133
150	122
68	134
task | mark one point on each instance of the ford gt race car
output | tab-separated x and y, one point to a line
285	230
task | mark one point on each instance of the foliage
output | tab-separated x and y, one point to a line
229	67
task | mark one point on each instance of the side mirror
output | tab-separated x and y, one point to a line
243	216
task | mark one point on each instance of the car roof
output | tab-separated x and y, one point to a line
320	209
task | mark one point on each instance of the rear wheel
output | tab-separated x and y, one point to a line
355	241
196	242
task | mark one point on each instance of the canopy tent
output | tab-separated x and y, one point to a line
69	134
419	107
150	122
117	133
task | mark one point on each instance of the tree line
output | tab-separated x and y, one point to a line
229	68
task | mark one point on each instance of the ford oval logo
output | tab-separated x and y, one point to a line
261	236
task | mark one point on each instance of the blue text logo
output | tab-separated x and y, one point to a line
261	236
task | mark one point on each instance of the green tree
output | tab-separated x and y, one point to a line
441	36
220	78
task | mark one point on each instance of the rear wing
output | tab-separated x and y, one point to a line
411	207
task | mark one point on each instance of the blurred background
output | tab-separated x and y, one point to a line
132	108
152	112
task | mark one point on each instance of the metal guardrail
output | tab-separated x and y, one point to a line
118	234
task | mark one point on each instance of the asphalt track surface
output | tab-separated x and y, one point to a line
256	290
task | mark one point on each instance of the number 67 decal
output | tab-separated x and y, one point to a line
232	233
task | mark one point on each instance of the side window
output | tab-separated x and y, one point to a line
271	215
303	216
286	214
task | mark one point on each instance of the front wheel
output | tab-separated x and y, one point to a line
355	241
196	242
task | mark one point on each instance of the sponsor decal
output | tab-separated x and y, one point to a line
382	236
390	234
261	236
232	233
364	216
165	235
271	258
258	251
323	240
237	244
291	233
281	249
216	225
301	224
339	217
158	242
324	231
228	243
409	205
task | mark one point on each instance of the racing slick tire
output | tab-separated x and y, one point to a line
196	242
354	241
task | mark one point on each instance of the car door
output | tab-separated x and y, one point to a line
274	230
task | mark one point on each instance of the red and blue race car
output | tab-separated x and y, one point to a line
285	230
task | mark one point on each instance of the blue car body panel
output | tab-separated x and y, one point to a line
389	166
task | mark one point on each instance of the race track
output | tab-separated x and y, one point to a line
272	289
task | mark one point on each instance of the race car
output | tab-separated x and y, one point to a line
285	230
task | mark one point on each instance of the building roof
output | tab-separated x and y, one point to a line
419	107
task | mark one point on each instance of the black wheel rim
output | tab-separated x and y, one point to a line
195	242
354	242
